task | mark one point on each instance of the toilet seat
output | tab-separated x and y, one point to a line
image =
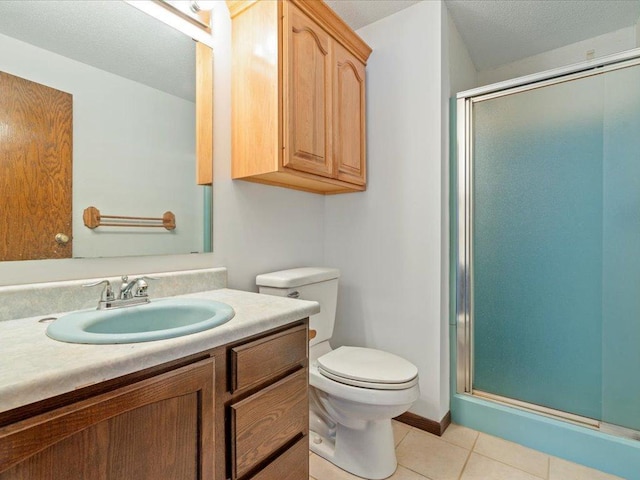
366	396
368	368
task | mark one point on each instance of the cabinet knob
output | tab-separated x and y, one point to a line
62	239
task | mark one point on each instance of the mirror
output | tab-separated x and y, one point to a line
131	84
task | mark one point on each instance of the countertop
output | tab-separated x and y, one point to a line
34	367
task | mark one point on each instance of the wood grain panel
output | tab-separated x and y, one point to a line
291	465
255	112
257	361
224	398
204	114
426	424
307	95
305	182
349	117
165	432
284	97
155	429
266	421
35	170
323	15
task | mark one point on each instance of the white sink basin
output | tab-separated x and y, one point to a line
157	320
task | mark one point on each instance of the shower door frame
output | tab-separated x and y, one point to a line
464	319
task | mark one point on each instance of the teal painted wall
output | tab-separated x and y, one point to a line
207	199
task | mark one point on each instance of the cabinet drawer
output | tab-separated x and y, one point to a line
254	362
266	421
291	465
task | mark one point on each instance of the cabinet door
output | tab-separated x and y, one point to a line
349	128
306	95
159	428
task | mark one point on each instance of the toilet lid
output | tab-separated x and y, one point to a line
366	367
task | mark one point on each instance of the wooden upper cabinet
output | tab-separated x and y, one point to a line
298	97
307	95
349	117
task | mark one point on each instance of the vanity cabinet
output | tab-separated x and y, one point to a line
238	411
158	428
298	97
266	406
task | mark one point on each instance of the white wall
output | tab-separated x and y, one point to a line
257	228
462	72
387	240
459	74
602	45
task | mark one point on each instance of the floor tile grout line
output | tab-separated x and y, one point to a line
548	466
441	437
464	467
509	465
405	435
513	466
404	466
473	447
412	470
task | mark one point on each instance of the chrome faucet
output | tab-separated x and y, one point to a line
106	297
132	292
135	288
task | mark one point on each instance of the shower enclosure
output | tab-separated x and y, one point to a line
548	244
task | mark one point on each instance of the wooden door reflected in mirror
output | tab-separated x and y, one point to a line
35	170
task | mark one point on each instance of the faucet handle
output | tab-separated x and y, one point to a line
140	287
125	278
107	292
134	288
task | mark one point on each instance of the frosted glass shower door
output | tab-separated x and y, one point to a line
537	246
621	249
555	241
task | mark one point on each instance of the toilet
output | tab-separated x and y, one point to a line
354	392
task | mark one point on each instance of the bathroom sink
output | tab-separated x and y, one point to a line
157	320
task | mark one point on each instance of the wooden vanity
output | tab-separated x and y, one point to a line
235	411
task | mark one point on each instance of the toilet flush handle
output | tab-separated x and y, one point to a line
294	294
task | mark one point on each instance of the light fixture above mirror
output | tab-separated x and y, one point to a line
179	14
196	10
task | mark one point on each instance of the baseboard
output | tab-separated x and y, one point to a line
426	424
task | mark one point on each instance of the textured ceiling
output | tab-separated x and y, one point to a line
358	13
116	37
502	31
109	35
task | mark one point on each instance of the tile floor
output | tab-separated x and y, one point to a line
464	454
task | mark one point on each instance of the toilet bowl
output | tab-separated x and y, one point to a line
354	392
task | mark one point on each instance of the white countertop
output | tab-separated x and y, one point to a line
34	367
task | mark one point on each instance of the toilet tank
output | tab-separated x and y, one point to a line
308	283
